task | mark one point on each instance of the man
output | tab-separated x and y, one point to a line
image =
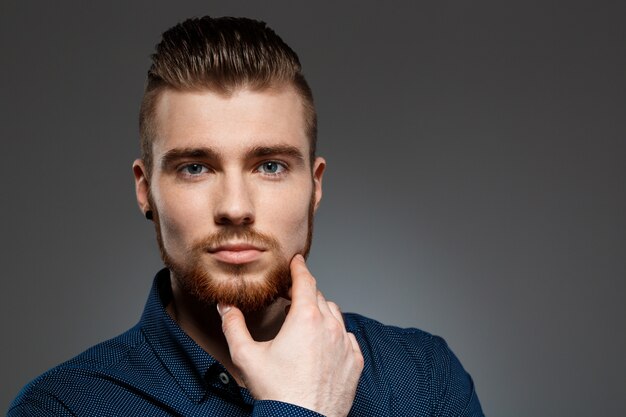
235	324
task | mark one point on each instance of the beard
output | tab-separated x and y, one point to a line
201	283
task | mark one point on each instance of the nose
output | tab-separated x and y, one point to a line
234	203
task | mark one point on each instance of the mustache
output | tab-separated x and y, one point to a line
238	234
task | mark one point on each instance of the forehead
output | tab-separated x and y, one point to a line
231	124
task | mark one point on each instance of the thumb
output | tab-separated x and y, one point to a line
234	328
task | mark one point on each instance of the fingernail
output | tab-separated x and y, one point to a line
300	257
223	309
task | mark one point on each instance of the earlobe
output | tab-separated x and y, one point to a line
319	166
142	187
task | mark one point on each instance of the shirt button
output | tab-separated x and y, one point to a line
224	378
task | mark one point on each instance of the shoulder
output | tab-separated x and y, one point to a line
413	342
416	369
86	373
108	355
394	348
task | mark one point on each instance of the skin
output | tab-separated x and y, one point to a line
304	357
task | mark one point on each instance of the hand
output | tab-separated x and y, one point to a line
312	362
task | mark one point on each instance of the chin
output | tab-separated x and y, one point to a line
238	287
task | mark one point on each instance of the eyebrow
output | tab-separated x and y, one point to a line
174	155
285	150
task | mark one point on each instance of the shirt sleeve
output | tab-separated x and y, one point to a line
269	408
453	392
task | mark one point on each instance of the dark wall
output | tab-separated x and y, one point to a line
476	185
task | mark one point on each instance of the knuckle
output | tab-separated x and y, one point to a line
360	360
336	331
359	363
333	306
357	358
238	356
309	313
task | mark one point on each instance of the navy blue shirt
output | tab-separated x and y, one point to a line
156	369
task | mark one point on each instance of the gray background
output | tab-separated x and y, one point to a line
476	185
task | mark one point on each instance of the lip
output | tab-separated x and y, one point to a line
237	253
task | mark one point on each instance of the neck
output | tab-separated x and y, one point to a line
203	324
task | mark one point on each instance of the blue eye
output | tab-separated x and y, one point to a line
194	169
271	168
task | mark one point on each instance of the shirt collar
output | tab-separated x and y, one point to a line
185	360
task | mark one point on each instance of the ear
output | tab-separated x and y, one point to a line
318	172
142	186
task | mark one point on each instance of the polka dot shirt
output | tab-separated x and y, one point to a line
155	369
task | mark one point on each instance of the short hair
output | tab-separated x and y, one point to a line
223	55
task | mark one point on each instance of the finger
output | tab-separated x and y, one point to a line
323	304
336	312
303	287
235	329
355	345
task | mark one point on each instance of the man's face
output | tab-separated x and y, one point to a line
232	191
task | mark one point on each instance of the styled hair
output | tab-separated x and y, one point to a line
222	55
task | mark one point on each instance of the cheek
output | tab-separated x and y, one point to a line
288	222
180	215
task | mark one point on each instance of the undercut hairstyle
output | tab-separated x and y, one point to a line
222	55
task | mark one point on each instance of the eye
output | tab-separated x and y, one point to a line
271	168
194	169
